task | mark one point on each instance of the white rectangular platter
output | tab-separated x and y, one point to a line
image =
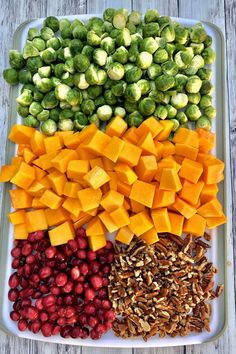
217	253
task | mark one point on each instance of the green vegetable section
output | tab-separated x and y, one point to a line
74	74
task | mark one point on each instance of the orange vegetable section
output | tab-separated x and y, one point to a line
130	181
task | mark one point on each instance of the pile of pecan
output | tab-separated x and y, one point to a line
162	289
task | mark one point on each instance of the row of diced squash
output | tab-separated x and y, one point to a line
104	178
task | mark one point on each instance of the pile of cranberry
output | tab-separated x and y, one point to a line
61	289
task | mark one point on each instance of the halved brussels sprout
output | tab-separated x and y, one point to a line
35	108
120	111
151	15
181	117
104	113
179	101
181	34
116	71
43	115
88	107
108	14
51	22
160	56
148	44
65	124
210	112
108	44
198	34
121	55
135	18
54	114
31	121
33	32
151	29
39	43
16	59
23	111
124	38
100	57
154	71
209	55
170	68
133	75
176	125
205	74
144	86
81	63
118	89
110	98
120	18
161	112
207	88
194	97
25	99
206	101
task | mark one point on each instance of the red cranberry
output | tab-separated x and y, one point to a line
96	281
15	263
20	270
30	259
59	300
89	294
25	302
15	315
109	245
110	258
39	304
61	257
35	326
43	316
106	269
108	325
106	304
35	278
102	259
101	252
69	311
36	295
49	300
55	290
72	319
61	312
78	289
24	283
86	285
67	288
89	309
66	250
76	332
56	330
73	245
100	328
100	314
13	295
75	273
68	300
94	266
16	252
46	329
66	331
105	282
51	309
51	252
61	321
43	289
92	321
76	262
31	313
62	266
102	293
110	315
84	269
14	281
91	256
17	305
61	279
82	242
97	302
22	325
84	333
81	254
50	263
53	317
83	319
26	249
45	272
81	279
81	232
94	334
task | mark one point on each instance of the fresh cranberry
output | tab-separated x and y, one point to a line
15	263
35	278
39	304
51	252
61	321
83	319
66	331
110	258
84	333
45	272
70	311
67	288
13	295
68	300
92	321
100	328
61	279
89	294
67	250
49	300
89	309
102	293
46	329
94	266
81	254
55	290
31	313
36	295
16	252
73	245
97	302
84	268
25	302
82	243
110	315
43	288
56	330
96	281
91	256
81	232
106	304
105	282
15	315
43	316
94	334
35	326
75	273
14	281
76	332
22	325
26	249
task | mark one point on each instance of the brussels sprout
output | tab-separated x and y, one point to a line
148	45
118	89
136	38
46	33
180	82
198	34
206	101
11	76
76	46
61	92
124	38
121	55
209	55
66	113
64	42
193	84
160	56
59	70
39	44
65	28
23	111
197	47
53	43
147	106
33	64
114	33
67	54
25	99
49	127
65	124
130	106
210	112
50	101
43	115
94	120
157	96
166	98
168	32
176	125
154	71
132	93
196	64
194	98
81	63
203	123
161	112
44	85
69	66
120	18
35	108
88	107
45	71
54	114
135	18
144	60
80	32
25	76
102	77
204	74
108	44
110	98
181	34
27	87
100	57
134	119
16	59
179	101
91	75
169	68
181	117
150	29
81	122
104	113
108	14
131	27
207	88
55	81
144	86
183	59
31	121
193	112
151	16
93	39
208	41
171	111
30	51
184	125
129	66
49	55
133	75
94	91
51	22
119	111
100	101
164	82
116	71
80	81
33	32
108	27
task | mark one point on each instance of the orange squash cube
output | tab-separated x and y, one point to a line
96	177
146	168
95	227
62	159
186	136
83	219
163	198
143	193
37	143
20	232
213	171
58	181
113	149
77	169
131	136
116	127
20	199
24	177
140	223
161	221
123	188
195	225
211	209
62	234
51	200
136	207
35	220
167	126
209	191
206	140
36	204
97	242
96	162
125	174
107	221
184	208
74	140
96	143
113	180
28	155
73	206
36	189
89	198
71	189
130	154
168	148
191	170
190	192
170	180
56	217
147	145
46	160
120	217
124	235
63	135
176	222
112	200
21	134
216	221
17	217
7	172
186	151
150	236
149	125
52	143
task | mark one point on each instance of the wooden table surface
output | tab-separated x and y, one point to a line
220	12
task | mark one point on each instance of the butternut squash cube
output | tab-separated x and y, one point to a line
28	155
56	217
73	141
36	189
136	207
206	140
89	198
58	181
20	199
17	217
113	149
140	223
168	148
113	180
36	204
96	143
146	168
36	220
61	161
107	221
216	221
170	180
163	198
191	170
184	208
46	182
20	232
195	225
108	164
37	163
159	149
209	191
21	134
83	154
7	172
149	125
24	177
124	235
131	136
51	200
62	234
147	145
120	217
167	126
213	171
191	191
161	221
95	227
176	222
116	127
97	242
20	149
63	135
130	154
211	209
125	174
165	163
112	200
73	206
46	160
71	189
83	219
186	151
123	188
37	143
96	162
77	169
150	236
96	177
52	143
186	136
16	160
143	193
